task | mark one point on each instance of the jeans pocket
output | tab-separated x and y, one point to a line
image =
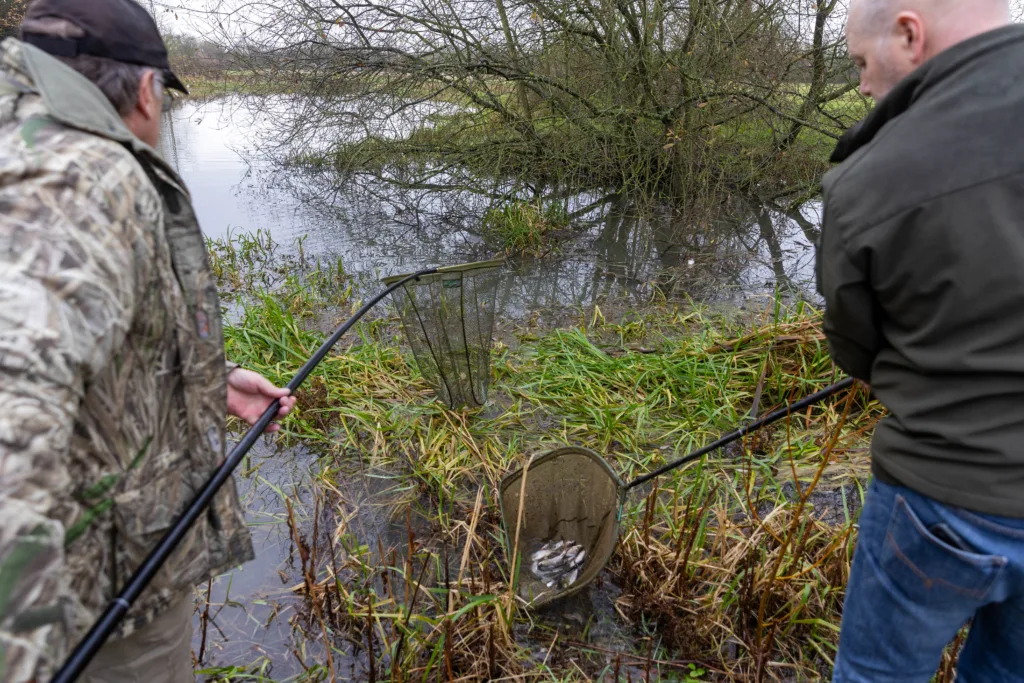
929	569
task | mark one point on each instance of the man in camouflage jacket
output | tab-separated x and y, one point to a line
113	380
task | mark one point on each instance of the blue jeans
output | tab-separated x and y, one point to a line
921	571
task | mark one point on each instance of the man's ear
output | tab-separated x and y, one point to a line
911	35
147	105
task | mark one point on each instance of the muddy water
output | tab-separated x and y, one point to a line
608	255
255	618
250	608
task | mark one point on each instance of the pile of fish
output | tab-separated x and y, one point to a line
558	562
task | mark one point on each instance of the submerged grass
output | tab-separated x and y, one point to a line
731	569
522	227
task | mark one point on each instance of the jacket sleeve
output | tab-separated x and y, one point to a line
850	317
70	261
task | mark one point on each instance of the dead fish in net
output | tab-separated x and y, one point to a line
558	562
569	579
548	550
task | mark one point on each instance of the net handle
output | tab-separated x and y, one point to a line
743	431
118	607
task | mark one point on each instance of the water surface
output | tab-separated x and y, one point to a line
609	254
220	149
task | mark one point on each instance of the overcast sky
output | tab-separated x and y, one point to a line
199	17
180	16
196	16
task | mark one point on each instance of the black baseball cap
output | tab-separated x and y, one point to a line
121	30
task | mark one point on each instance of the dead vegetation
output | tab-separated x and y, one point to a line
735	566
733	569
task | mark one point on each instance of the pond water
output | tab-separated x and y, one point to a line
379	229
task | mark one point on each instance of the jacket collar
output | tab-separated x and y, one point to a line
918	83
73	100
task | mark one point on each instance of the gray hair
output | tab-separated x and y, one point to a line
117	80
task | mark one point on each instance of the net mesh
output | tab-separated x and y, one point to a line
570	494
448	318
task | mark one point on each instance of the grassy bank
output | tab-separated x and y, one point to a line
222	83
731	569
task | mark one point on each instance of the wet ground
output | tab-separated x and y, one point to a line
251	607
256	620
611	261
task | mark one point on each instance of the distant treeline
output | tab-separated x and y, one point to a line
196	56
189	54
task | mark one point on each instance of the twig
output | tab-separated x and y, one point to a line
205	620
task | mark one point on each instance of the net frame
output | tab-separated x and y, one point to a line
559	501
453	356
605	489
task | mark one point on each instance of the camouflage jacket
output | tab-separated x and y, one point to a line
112	373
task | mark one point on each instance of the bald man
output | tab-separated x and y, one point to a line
921	264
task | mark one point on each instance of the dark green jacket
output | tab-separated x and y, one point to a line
921	264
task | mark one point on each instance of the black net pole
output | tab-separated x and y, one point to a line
111	617
743	431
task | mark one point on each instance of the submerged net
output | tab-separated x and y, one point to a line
570	494
448	318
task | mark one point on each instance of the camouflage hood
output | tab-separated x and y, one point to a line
112	369
74	101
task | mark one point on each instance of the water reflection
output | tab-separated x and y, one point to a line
432	216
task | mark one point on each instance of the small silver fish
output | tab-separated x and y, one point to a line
550	557
570	579
558	563
553	564
547	550
542	554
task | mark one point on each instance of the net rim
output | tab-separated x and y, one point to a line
507	480
458	268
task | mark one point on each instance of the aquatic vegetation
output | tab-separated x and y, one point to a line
522	227
732	569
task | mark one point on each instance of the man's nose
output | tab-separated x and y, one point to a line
865	89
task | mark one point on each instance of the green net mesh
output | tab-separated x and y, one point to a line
448	318
570	494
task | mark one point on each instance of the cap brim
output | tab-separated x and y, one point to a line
171	80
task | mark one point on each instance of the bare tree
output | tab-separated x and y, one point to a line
668	97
